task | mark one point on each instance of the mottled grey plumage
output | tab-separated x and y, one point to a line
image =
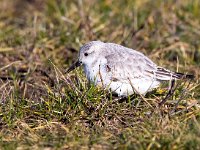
121	69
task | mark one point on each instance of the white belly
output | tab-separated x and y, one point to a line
137	86
100	77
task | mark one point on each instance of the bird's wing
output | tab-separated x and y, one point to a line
165	74
127	64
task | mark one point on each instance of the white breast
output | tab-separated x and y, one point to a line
96	72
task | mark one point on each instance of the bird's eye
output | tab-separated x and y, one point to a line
86	54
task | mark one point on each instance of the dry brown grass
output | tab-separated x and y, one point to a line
41	107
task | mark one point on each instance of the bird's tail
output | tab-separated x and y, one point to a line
164	74
179	75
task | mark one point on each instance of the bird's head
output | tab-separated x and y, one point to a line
87	54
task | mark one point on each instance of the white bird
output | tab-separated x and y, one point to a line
122	70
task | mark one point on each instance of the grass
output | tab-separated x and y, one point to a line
42	107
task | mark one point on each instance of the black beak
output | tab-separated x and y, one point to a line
73	66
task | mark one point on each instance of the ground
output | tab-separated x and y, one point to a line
43	107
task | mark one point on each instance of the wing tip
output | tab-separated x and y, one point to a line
184	76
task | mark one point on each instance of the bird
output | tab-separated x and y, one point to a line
122	70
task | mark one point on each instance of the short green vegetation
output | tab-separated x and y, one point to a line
42	107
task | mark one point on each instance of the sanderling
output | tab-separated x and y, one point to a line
122	70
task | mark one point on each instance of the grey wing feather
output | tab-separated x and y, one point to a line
165	74
129	64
